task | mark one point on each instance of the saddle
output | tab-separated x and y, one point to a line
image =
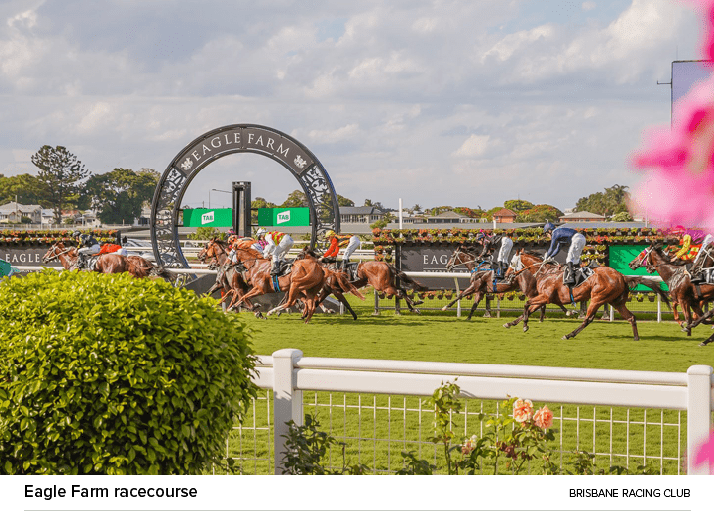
284	268
88	264
704	276
582	274
351	271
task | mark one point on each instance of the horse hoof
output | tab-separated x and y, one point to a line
487	315
703	344
417	302
443	309
416	311
506	325
525	328
565	337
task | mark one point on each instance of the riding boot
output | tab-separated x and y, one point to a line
504	268
569	275
275	269
81	260
343	266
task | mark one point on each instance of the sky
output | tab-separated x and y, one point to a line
459	103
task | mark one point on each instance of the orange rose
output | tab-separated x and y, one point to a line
522	410
543	418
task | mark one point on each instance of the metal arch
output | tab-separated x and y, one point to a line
217	143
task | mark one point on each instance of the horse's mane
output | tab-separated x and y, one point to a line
532	254
309	252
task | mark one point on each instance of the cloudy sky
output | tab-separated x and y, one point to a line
461	103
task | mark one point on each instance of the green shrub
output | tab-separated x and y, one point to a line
113	375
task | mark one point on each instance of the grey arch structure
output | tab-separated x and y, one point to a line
211	146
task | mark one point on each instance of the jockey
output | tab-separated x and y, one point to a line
113	249
278	245
500	264
690	243
88	246
560	237
344	240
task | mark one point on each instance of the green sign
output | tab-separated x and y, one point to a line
621	256
216	217
284	216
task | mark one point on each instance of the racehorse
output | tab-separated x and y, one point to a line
605	285
383	278
107	263
306	278
336	283
482	284
681	289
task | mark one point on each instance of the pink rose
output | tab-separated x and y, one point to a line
543	418
522	410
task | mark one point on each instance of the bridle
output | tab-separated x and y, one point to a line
458	253
645	260
55	255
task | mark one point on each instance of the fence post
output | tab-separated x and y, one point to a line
699	411
287	402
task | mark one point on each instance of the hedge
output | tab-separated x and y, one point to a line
111	375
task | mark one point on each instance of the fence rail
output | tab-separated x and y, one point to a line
289	375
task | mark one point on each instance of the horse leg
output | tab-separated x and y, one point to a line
487	307
477	300
341	299
589	317
531	306
702	319
626	314
468	290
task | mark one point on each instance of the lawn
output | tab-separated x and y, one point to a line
376	429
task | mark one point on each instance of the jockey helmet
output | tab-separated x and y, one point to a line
261	231
329	234
232	239
549	227
76	233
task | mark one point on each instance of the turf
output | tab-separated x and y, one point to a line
376	429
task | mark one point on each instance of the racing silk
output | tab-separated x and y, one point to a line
337	242
109	248
561	237
688	251
276	237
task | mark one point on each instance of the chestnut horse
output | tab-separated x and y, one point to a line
681	289
107	263
383	278
306	277
482	282
606	285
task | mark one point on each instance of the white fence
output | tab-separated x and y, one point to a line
289	375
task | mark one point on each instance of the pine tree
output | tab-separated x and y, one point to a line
59	176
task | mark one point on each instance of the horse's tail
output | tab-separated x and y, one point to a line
407	282
656	286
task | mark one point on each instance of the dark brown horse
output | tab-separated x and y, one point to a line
606	285
481	283
383	278
681	289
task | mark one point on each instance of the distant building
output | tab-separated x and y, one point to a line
504	216
366	215
581	217
447	217
13	212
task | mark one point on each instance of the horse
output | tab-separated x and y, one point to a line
680	286
306	278
68	257
336	282
383	278
605	285
482	282
230	278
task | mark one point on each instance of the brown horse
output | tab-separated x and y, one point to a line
681	289
106	263
482	282
606	285
383	278
336	282
306	278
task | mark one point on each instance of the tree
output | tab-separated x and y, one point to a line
344	202
518	205
59	176
622	217
295	199
25	189
469	212
417	208
539	214
259	203
612	201
117	196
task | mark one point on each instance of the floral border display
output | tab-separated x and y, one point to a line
20	237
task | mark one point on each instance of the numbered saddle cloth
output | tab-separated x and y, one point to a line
352	271
708	275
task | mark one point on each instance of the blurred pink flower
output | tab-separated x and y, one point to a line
522	410
679	186
543	418
705	452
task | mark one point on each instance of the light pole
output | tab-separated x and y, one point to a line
217	190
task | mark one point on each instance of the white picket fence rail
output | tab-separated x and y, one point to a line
288	374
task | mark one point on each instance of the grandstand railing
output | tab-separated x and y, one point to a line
665	438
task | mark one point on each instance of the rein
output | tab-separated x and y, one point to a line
56	256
